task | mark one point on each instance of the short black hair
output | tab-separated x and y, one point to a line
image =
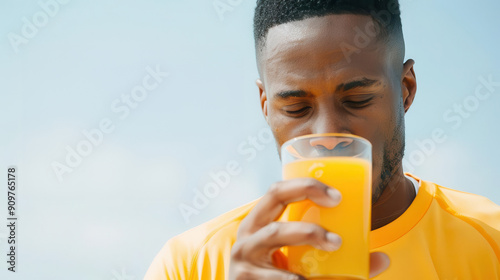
268	13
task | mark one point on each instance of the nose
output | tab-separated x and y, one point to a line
330	143
330	121
329	118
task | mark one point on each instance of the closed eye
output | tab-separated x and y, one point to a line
358	104
298	112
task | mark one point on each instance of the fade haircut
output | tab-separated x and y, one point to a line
385	13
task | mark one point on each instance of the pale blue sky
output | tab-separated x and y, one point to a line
119	206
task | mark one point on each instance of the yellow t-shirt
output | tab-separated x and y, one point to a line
445	234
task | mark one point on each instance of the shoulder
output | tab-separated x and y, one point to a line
475	210
473	206
184	254
462	204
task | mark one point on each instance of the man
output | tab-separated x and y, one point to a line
338	66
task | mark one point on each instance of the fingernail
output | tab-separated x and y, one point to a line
334	241
295	277
335	195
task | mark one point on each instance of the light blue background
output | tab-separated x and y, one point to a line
111	215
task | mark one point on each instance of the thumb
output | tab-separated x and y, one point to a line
379	262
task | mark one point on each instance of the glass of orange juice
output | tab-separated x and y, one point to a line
342	161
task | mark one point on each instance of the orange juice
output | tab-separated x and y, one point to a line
351	219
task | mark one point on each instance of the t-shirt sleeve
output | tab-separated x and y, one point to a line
489	221
171	263
480	212
202	252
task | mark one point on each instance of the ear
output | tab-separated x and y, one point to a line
263	97
408	84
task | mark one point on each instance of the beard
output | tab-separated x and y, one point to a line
393	156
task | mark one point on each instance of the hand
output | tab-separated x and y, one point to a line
259	235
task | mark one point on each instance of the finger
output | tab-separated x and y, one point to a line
279	274
280	194
379	262
255	273
259	246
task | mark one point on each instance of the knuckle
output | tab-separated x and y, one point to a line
311	184
237	251
309	232
309	188
274	193
274	188
313	233
272	229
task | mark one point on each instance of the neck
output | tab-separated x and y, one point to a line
394	200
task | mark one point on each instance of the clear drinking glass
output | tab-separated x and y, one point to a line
342	161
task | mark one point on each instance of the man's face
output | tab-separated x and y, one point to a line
312	82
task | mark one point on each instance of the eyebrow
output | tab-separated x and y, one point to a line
293	93
362	83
